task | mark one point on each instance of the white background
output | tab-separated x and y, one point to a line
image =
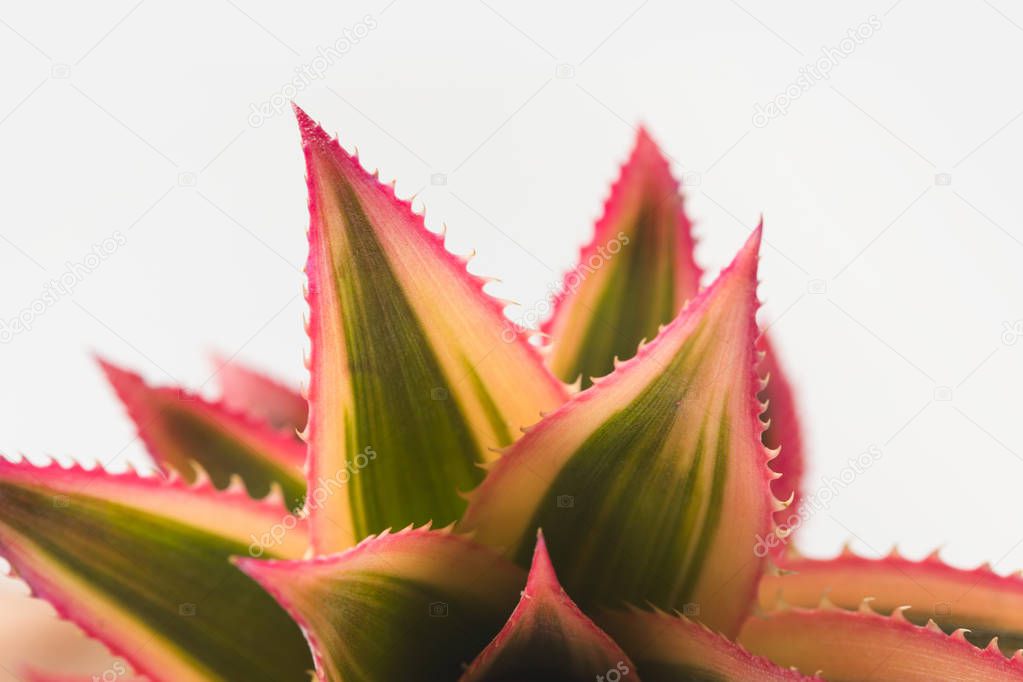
110	111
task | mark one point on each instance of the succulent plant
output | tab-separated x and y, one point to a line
441	504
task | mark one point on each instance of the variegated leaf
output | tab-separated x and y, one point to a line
635	275
410	359
652	485
182	430
260	396
549	638
414	605
142	565
985	603
669	648
861	645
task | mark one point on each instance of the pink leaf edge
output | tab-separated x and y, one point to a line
744	266
134	393
270	572
315	137
76	478
261	396
646	162
542	584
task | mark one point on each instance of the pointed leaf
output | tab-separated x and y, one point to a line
985	603
262	397
653	484
863	645
668	648
548	637
414	605
407	359
182	430
142	565
634	275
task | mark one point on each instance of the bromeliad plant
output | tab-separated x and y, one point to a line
395	524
